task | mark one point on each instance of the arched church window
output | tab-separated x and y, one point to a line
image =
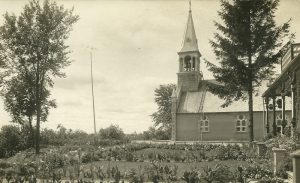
187	63
241	123
204	123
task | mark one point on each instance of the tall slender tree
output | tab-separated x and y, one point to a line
162	118
32	47
247	45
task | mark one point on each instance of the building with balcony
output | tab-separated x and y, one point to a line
285	86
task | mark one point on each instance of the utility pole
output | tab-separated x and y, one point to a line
92	81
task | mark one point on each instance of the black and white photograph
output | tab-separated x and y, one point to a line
149	91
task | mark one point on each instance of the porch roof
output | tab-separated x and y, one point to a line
275	88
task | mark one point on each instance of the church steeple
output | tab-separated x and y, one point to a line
189	75
190	40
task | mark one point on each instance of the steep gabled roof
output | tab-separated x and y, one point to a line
190	102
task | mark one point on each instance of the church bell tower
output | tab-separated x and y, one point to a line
189	74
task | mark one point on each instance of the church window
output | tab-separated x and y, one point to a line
241	123
204	124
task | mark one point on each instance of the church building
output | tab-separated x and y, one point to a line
197	114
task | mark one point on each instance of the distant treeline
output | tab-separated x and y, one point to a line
14	138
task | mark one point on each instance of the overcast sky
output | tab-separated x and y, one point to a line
136	50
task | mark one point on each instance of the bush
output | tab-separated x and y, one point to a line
255	171
219	173
271	180
11	141
135	177
282	141
190	176
63	136
113	132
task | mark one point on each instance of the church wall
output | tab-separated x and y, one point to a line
222	127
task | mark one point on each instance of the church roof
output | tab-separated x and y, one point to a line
190	39
191	101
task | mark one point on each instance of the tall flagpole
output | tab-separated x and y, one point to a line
92	81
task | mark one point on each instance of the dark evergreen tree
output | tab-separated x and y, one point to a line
247	45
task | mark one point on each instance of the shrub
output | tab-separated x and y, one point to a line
10	141
255	171
113	132
190	176
88	157
271	180
135	177
219	173
282	141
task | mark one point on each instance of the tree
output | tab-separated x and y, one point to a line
247	46
162	117
32	47
19	101
113	132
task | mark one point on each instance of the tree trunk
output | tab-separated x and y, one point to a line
38	121
38	108
32	139
250	103
250	76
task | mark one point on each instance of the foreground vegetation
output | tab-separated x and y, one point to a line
120	160
133	162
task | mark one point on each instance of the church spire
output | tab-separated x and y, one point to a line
190	39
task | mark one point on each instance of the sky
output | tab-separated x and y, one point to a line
136	44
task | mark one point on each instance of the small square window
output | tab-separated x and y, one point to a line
238	129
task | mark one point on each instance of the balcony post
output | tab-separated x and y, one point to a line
267	115
274	116
284	122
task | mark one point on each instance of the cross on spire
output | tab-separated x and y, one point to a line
190	7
